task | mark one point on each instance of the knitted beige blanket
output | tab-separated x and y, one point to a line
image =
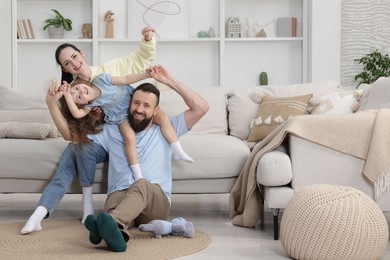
365	135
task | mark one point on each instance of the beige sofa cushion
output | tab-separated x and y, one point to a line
27	123
239	100
24	114
377	96
22	130
274	111
30	159
215	120
215	156
14	99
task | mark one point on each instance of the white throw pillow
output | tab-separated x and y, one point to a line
336	103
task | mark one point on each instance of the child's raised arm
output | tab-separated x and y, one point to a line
130	78
73	108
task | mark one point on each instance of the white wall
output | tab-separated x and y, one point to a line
365	28
324	45
324	54
5	43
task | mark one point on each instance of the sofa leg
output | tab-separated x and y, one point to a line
262	216
275	213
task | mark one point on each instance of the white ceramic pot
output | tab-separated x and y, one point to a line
55	33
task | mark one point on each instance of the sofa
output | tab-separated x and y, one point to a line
303	162
30	146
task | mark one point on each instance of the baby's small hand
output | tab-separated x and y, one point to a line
147	33
160	74
65	87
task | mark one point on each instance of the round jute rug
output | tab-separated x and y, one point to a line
68	239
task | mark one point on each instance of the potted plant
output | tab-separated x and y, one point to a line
375	65
57	25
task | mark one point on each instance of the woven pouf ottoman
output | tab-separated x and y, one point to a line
333	222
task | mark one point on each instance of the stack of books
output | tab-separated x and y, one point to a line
287	27
25	30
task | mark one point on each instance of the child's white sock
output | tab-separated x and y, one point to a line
87	202
137	173
34	222
178	152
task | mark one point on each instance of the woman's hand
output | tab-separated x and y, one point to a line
147	33
54	94
65	88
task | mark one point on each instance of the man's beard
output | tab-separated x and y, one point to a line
139	126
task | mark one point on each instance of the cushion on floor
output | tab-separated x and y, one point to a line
333	222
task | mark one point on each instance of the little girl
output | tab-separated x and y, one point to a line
113	94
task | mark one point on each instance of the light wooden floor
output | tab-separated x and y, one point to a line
208	213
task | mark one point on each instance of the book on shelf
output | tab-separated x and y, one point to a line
286	27
25	29
30	29
19	31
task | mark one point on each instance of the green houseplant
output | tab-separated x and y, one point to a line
375	65
263	78
57	25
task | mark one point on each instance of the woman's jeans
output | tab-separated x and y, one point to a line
78	159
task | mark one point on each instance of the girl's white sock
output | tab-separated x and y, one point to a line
137	173
178	152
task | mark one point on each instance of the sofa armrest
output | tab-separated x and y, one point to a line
274	168
313	163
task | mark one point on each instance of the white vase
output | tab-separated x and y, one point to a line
55	33
211	32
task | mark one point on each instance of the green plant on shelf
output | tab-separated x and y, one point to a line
58	21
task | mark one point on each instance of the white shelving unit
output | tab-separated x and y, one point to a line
200	62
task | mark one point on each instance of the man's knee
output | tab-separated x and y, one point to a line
141	186
142	182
